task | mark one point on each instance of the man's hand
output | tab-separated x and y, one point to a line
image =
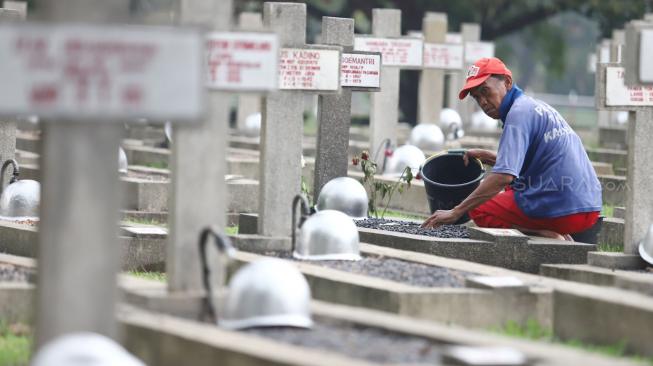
442	217
485	156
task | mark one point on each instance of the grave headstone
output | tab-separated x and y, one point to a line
639	93
198	166
613	94
304	70
7	126
453	78
359	71
248	104
471	34
431	84
384	114
78	249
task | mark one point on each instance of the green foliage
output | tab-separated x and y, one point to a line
616	248
379	191
306	192
15	345
231	230
607	210
148	275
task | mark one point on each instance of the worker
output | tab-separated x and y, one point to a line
542	181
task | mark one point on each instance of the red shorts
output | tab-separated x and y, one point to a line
502	212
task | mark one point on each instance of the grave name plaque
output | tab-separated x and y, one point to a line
617	94
242	61
314	68
361	71
403	52
478	50
443	56
106	73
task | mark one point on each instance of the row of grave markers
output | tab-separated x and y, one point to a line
250	62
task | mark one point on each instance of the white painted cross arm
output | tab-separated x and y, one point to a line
101	73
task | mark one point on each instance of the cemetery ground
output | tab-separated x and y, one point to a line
210	262
144	231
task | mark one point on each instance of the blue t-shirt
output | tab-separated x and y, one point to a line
554	176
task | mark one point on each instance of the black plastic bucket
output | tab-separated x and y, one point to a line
448	181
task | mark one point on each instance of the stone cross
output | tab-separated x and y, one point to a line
360	71
398	52
454	80
78	247
7	126
431	84
198	165
471	32
639	81
248	103
302	69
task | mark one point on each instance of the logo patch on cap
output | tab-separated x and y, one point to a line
472	71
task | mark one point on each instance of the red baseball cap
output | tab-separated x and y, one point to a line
480	71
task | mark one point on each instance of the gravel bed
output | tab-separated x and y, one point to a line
409	227
410	273
11	273
371	344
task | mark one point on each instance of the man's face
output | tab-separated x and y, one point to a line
490	94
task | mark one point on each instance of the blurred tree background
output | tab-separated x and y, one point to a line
546	43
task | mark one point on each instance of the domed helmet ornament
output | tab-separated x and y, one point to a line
346	195
20	198
326	235
451	124
122	161
427	136
253	125
405	156
265	293
646	246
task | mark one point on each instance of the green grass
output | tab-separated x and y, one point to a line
231	230
619	248
157	165
14	348
607	210
532	330
156	276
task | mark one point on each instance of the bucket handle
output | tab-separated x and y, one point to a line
460	152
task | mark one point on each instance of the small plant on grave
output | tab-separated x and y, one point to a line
380	193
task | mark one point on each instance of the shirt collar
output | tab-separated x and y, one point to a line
507	101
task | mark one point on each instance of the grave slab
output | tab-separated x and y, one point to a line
614	260
499	236
640	282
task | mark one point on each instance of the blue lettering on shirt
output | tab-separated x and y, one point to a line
553	174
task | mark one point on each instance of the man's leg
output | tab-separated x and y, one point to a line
502	212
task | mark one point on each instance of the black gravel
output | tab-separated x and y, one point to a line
11	273
410	273
409	227
371	344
